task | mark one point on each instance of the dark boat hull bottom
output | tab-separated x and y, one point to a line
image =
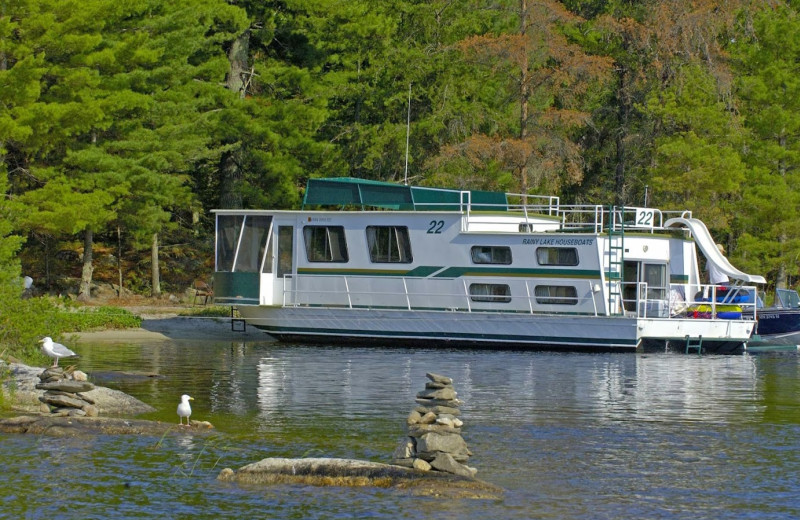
727	347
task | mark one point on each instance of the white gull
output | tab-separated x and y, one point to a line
55	350
185	409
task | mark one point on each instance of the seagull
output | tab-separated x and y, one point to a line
55	350
184	409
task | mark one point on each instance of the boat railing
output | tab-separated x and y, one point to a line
580	217
358	292
645	301
707	301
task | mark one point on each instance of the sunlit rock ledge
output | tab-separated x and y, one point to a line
358	473
20	393
76	426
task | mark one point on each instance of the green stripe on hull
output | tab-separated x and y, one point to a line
418	272
458	272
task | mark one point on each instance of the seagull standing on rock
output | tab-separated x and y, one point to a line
55	350
185	409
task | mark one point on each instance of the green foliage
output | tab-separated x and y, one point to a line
211	311
83	319
768	82
698	162
131	119
23	322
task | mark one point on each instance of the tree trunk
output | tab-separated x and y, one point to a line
622	114
85	293
119	261
782	277
523	98
239	76
156	273
230	163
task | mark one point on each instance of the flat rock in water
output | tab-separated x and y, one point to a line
358	473
75	426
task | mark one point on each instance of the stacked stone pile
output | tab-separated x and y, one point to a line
434	431
62	394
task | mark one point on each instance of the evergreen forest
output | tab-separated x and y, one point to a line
124	122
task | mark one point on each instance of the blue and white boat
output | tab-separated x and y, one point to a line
779	324
396	264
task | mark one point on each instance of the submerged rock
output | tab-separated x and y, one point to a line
72	426
357	473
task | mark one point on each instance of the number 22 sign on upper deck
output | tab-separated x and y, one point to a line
644	218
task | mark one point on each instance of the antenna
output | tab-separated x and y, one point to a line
408	133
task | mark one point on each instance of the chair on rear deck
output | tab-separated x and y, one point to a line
202	290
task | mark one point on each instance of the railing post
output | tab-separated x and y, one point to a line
347	289
530	299
408	298
466	293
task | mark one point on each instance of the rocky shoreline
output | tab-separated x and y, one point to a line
108	411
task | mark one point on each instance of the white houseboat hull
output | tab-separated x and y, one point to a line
491	330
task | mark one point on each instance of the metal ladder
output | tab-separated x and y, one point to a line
615	258
694	345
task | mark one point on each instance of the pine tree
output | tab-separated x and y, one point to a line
768	81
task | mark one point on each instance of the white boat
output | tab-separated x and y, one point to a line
411	265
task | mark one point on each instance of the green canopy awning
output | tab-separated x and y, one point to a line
347	191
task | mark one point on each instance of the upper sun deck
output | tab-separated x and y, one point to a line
480	211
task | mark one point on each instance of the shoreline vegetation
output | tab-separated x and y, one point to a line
141	319
26	321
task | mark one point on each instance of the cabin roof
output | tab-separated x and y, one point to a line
349	191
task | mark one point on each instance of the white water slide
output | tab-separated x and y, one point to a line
709	249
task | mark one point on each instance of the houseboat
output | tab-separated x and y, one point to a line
366	262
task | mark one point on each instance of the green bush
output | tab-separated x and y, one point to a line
211	311
23	322
88	318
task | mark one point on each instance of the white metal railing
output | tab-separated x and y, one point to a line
708	301
595	218
669	302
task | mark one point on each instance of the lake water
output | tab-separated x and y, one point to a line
566	435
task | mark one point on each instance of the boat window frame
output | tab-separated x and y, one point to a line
227	235
649	271
558	299
492	256
541	259
331	254
490	296
398	243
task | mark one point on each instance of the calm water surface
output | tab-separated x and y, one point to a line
566	435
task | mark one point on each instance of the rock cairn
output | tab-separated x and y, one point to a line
62	394
434	439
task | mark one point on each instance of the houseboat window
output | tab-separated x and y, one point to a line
556	295
655	275
490	292
389	244
325	243
228	229
285	250
252	243
491	255
557	255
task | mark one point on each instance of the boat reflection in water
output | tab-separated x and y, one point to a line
577	435
521	386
